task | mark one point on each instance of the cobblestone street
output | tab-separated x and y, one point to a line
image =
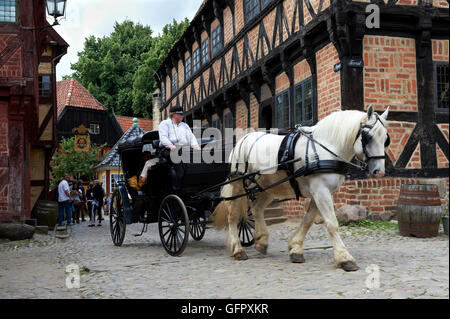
409	267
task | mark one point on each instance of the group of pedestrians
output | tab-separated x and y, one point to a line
74	201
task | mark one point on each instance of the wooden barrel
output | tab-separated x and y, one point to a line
419	210
47	213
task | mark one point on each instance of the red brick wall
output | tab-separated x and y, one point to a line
328	81
241	117
390	76
13	67
4	153
440	3
399	133
440	50
228	25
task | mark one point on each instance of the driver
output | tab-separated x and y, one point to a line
174	133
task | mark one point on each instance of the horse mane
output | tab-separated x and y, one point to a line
339	128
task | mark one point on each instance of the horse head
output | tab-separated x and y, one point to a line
371	141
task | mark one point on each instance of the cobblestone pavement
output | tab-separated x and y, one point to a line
408	267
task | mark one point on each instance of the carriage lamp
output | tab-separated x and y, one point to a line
56	9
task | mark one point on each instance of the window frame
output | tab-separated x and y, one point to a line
196	60
288	93
187	68
17	15
217	33
94	131
204	44
174	83
436	64
261	5
302	85
41	83
163	94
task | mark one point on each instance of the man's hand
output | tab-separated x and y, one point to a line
197	148
172	147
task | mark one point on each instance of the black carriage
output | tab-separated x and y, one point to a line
178	212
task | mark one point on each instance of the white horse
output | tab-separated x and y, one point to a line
346	133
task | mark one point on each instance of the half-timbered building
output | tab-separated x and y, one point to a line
278	63
29	51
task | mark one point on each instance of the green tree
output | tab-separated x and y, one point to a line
67	161
118	70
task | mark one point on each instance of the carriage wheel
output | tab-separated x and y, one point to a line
198	228
246	230
173	224
117	219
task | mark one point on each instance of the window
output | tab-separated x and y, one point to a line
304	103
205	51
174	82
187	69
217	41
441	83
283	110
217	123
228	120
163	94
253	7
196	60
44	85
114	179
8	11
95	128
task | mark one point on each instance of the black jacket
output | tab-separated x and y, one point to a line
99	193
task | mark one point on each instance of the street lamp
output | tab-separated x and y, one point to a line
56	9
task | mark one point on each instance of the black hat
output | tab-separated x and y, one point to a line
176	109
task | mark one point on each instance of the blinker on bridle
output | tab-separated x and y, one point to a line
366	137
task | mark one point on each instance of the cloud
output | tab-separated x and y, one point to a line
97	17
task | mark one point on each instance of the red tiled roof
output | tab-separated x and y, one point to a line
71	93
126	122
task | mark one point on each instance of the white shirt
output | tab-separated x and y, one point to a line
147	166
176	134
62	187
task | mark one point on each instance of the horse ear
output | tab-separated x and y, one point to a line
369	112
385	114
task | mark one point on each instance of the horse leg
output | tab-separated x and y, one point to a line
261	235
342	257
296	242
233	241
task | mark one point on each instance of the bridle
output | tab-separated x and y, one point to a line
366	137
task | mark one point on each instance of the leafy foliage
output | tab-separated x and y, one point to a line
118	70
67	161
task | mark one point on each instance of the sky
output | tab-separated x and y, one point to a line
97	17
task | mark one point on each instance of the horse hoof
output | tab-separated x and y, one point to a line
349	266
262	249
297	258
240	256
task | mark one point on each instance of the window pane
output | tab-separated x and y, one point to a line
163	94
187	69
217	40
308	105
196	58
44	85
205	51
298	104
264	3
442	85
174	82
251	9
8	11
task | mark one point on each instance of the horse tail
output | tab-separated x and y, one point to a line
223	210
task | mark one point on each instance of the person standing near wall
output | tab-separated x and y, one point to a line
64	201
97	203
